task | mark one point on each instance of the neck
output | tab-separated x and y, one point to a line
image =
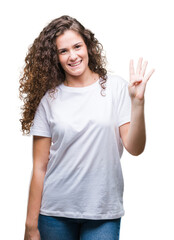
86	79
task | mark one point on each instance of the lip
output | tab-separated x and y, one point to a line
75	64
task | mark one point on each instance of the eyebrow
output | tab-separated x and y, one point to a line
73	46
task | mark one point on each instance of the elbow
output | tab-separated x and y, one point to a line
136	151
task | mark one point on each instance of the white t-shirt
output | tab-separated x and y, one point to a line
84	177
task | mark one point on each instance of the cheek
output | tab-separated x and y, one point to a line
61	60
85	55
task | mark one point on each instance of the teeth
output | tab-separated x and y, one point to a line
75	64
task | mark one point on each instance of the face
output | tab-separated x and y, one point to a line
72	53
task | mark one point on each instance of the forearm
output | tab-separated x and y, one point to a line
34	199
136	136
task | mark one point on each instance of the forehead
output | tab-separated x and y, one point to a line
68	38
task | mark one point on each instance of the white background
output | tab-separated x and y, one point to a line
127	29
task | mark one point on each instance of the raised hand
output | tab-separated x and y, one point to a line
138	79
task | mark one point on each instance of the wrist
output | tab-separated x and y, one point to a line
137	102
31	225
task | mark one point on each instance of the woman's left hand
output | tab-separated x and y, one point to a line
138	80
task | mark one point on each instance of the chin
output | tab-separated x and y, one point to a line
75	74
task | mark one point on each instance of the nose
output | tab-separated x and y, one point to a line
72	55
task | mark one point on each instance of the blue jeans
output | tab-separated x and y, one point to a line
62	228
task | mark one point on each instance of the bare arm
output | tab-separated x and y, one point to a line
41	148
133	134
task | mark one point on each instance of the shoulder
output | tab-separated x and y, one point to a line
48	97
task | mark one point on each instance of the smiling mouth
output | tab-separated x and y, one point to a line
75	64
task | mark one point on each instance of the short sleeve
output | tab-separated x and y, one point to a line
124	106
40	125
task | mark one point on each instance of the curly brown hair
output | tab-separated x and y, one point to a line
42	70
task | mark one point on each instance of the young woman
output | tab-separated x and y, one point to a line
80	118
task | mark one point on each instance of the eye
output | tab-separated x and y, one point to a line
63	51
78	46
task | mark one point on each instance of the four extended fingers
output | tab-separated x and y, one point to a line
140	71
